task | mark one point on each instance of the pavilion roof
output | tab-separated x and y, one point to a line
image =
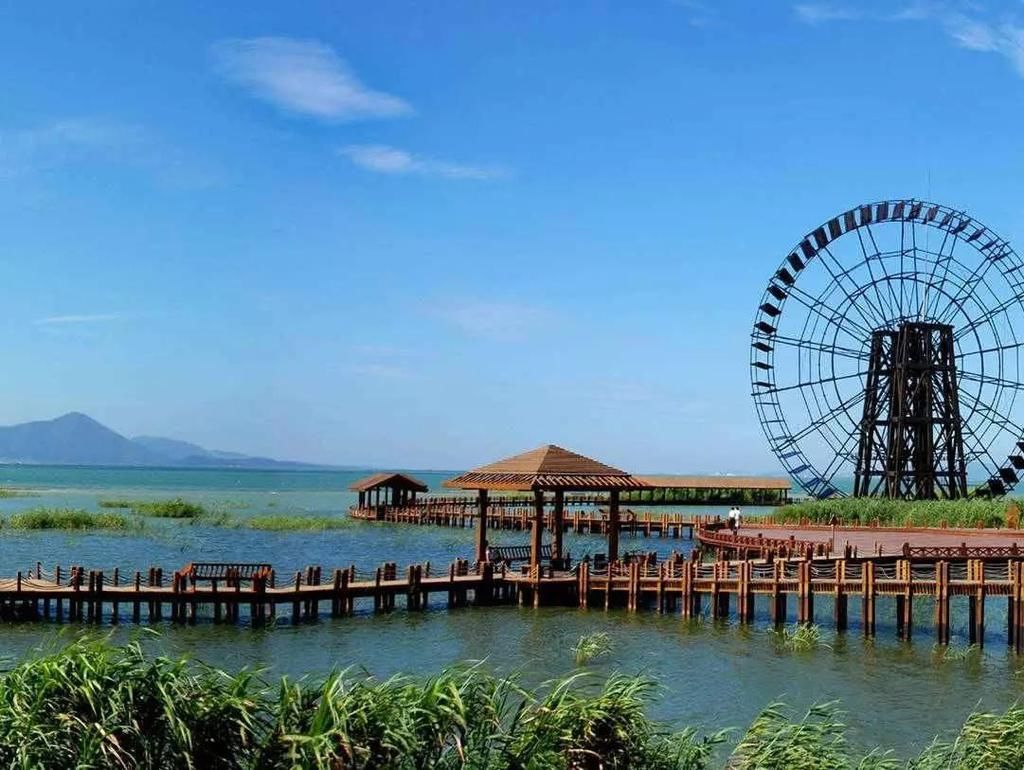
392	480
547	467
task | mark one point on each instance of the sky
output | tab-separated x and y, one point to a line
433	234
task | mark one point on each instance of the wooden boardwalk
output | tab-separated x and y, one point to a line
727	588
520	518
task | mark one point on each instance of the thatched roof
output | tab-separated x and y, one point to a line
547	467
392	480
716	482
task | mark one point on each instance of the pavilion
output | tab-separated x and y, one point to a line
396	489
548	468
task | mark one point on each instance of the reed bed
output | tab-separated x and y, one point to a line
94	704
68	519
972	512
799	637
9	492
177	508
294	523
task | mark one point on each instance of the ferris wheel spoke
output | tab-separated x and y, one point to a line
877	317
821	347
996	349
990	415
845	453
814	305
819	421
881	263
812	383
945	260
989	379
989	314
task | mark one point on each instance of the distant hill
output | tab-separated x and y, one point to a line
77	439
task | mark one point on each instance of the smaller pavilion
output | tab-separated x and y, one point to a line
383	489
548	468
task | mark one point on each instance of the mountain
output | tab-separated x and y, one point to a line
77	439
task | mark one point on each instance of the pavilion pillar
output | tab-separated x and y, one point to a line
559	515
481	526
362	499
613	525
538	527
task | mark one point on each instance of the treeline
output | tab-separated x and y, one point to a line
97	705
968	512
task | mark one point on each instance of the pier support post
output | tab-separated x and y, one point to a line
942	602
778	597
842	599
868	598
481	526
558	522
613	526
537	528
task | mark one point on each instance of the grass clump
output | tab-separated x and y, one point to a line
972	653
67	519
969	513
294	523
177	508
98	705
799	637
9	492
590	647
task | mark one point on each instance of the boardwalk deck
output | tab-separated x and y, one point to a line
726	588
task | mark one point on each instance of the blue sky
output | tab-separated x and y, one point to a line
433	234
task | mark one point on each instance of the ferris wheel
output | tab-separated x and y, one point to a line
885	351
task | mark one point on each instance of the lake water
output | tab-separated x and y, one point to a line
713	673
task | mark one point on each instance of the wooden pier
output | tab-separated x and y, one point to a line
726	588
520	518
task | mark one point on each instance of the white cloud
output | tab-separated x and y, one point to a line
303	76
87	318
98	140
995	29
492	319
391	160
66	140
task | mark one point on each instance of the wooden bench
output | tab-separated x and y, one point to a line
228	573
513	553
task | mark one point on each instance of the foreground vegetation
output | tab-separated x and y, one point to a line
917	513
97	705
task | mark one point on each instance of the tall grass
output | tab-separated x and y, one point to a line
970	512
8	492
97	705
294	523
67	519
177	508
590	647
798	638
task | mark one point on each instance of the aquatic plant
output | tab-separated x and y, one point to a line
294	523
589	647
177	508
799	637
8	492
971	512
95	704
972	653
67	518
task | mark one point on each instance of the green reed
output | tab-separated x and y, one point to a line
590	647
969	512
177	508
799	637
294	523
98	705
68	519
